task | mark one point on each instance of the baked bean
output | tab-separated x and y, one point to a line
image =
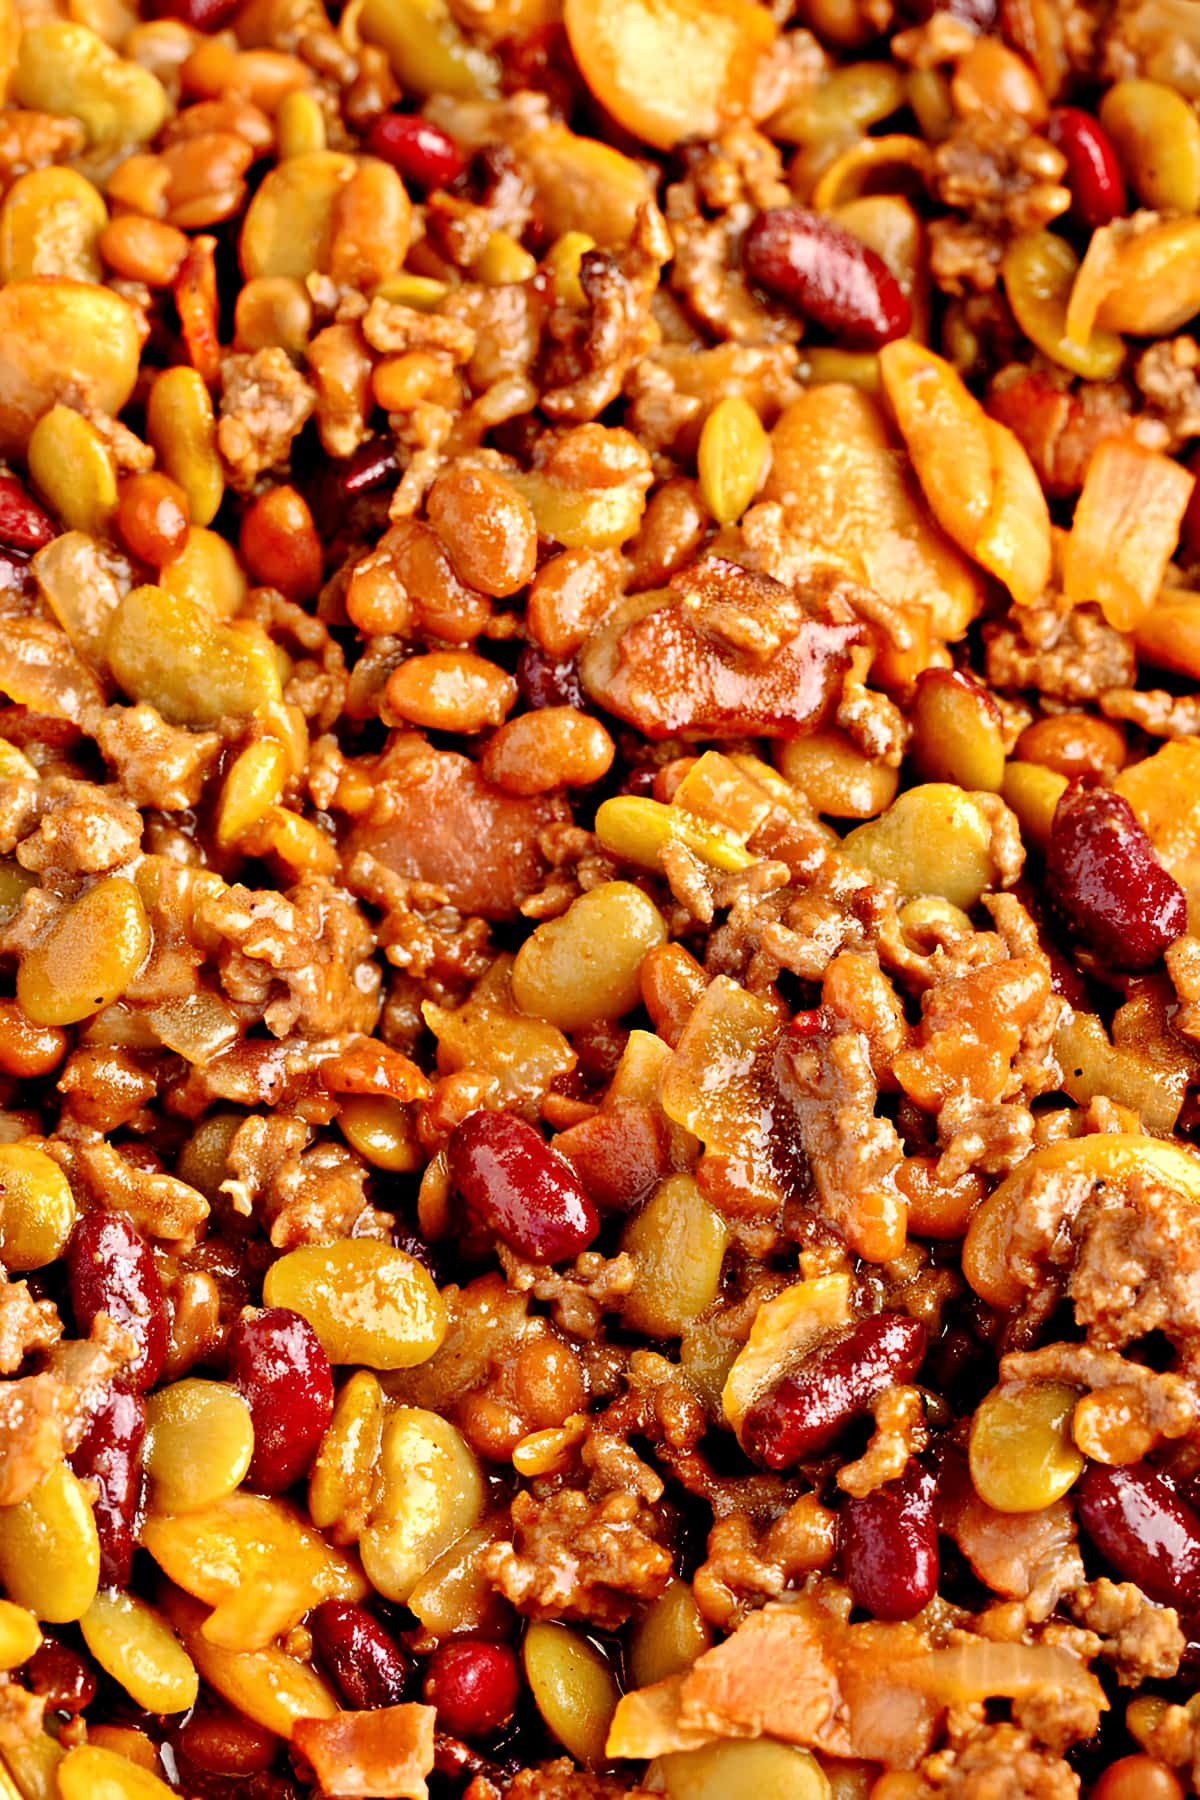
279	543
673	527
487	527
1138	1778
28	1050
152	518
1074	744
539	751
450	690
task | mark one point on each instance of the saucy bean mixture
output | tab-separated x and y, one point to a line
599	900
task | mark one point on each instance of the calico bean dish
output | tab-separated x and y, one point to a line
599	900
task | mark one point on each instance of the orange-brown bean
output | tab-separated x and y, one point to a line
935	1209
371	226
28	1050
231	114
279	543
1138	1778
402	382
450	690
992	78
140	249
1074	743
548	1383
272	312
217	71
553	747
152	517
569	594
487	527
672	982
672	530
204	178
407	581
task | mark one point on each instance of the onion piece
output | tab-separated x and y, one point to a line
1125	530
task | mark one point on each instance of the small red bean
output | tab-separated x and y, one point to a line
804	1411
520	1188
278	1366
110	1269
364	1661
889	1546
220	1741
66	1680
201	15
420	152
1144	1530
1093	171
826	274
474	1685
110	1454
1106	882
541	681
24	525
371	465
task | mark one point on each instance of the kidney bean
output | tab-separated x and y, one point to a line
420	151
1144	1529
201	15
1106	882
220	1741
541	681
110	1454
805	1410
24	525
826	274
889	1545
1093	171
110	1269
512	1180
371	465
979	13
474	1685
278	1366
66	1679
364	1661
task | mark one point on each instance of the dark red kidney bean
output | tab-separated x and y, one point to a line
364	1661
420	152
826	274
62	1675
979	13
889	1545
110	1269
110	1454
220	1741
1093	172
474	1685
278	1366
371	465
1144	1529
1107	884
541	681
201	15
520	1188
24	525
803	1412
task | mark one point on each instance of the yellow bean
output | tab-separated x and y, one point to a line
732	458
597	518
637	829
383	1131
1021	1452
367	1302
957	734
1156	135
207	574
1039	272
583	966
753	1771
835	777
74	469
62	340
299	124
88	957
183	430
135	1645
503	262
50	224
193	668
20	1635
669	1636
429	1491
254	784
563	259
343	1475
49	1549
37	1209
678	1243
934	839
288	228
89	1772
573	1687
199	1442
65	68
427	51
1033	793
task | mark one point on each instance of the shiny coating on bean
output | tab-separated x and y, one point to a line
803	1412
517	1186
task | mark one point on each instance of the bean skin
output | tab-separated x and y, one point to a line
1144	1530
804	1412
890	1547
828	275
512	1180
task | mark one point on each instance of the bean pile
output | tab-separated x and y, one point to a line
599	838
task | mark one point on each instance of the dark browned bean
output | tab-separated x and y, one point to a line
803	1412
826	274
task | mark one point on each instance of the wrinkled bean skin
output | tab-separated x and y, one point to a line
110	1454
889	1546
827	275
1107	885
110	1269
365	1662
283	1375
803	1412
1093	171
1144	1530
520	1188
